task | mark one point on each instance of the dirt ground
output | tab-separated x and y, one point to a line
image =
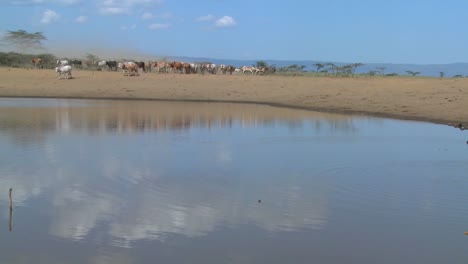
435	100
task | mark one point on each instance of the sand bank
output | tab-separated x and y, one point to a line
442	101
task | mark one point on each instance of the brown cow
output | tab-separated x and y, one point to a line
141	65
161	66
148	66
37	62
176	66
129	68
187	68
230	69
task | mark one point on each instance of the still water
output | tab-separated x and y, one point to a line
171	182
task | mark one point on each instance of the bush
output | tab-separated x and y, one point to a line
13	59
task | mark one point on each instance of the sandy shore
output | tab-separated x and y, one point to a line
442	101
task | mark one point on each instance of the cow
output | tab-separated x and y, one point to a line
250	69
37	62
62	62
223	68
260	70
230	69
208	67
195	67
141	65
129	68
65	71
148	66
101	64
211	68
112	65
176	66
187	68
161	66
76	63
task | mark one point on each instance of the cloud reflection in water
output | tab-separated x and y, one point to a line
141	171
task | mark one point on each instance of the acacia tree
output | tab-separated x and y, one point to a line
331	67
319	66
23	40
356	65
412	73
381	70
91	57
351	68
261	64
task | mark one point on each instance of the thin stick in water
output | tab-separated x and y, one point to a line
11	200
10	225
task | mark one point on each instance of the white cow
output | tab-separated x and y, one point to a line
250	69
260	70
64	71
62	62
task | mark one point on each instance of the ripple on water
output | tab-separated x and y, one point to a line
397	190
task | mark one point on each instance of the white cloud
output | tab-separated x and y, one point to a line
26	2
166	16
49	16
67	2
225	21
147	15
81	19
132	27
38	2
117	7
205	18
113	10
158	26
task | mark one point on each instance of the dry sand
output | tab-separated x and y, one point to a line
442	101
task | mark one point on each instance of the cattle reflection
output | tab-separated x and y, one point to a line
31	124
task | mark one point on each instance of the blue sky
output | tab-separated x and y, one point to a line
368	31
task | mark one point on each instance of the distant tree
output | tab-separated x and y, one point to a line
381	70
91	57
261	64
412	73
442	74
295	68
350	69
292	68
331	67
319	66
24	40
458	76
345	70
372	73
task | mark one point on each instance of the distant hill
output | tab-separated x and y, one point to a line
432	70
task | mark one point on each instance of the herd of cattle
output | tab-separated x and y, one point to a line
130	68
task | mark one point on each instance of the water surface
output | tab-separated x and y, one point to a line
165	182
